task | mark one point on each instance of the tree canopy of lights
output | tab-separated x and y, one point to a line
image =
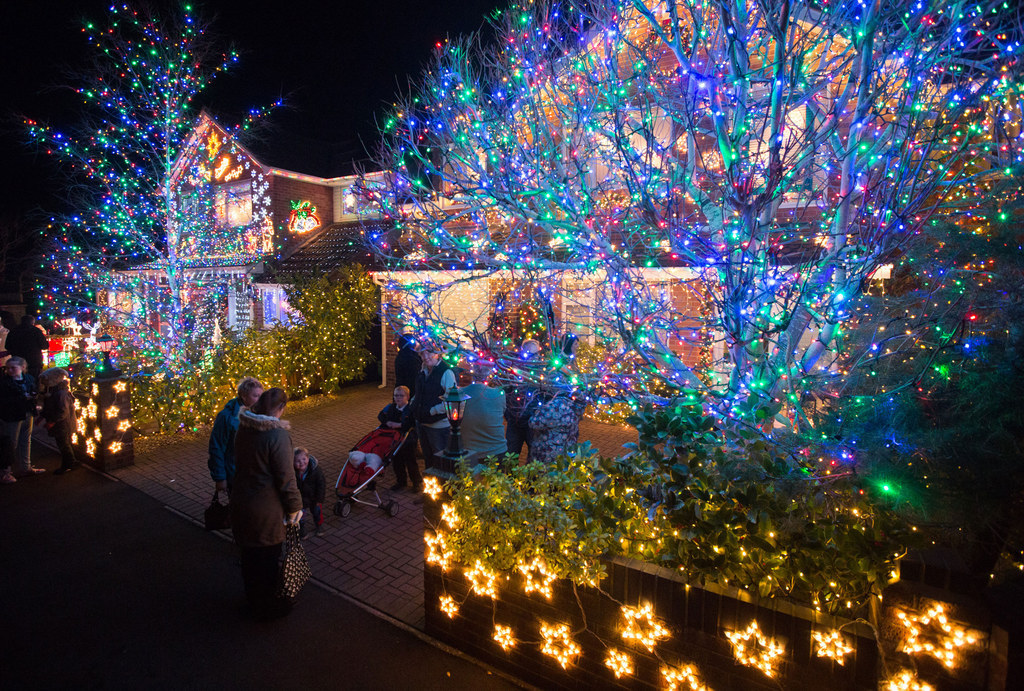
128	252
700	188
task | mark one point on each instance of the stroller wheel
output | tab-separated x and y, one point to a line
391	507
337	508
345	509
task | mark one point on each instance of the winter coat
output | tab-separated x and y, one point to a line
28	342
59	410
483	429
17	397
264	491
311	484
407	368
222	442
556	427
391	413
429	391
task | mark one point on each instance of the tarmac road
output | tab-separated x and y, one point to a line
101	587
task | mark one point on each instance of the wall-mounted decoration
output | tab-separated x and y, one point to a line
303	217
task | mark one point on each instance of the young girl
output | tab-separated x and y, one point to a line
312	486
59	415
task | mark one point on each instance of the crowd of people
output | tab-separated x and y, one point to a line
273	484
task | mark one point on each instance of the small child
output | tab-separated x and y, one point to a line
397	415
59	415
312	486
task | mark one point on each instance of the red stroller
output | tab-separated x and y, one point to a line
356	477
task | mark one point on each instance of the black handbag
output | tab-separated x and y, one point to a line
294	565
217	516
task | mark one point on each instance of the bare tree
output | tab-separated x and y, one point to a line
767	157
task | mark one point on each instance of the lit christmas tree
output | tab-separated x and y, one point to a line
636	160
142	218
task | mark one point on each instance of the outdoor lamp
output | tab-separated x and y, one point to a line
454	409
106	343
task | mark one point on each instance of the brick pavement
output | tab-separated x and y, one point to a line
367	555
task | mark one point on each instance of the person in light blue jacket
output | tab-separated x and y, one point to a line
222	438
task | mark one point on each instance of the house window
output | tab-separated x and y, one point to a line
233	205
275	305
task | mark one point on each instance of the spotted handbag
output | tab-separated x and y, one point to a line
294	565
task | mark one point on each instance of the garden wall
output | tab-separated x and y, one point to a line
698	619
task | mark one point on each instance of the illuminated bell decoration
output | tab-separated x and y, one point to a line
303	217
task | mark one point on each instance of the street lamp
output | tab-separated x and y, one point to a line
454	409
106	343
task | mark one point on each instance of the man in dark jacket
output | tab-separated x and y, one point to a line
312	486
407	363
28	341
222	438
433	381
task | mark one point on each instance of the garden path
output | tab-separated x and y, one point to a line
367	555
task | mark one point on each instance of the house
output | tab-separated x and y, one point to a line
238	213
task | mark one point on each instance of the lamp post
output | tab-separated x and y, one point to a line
106	343
454	409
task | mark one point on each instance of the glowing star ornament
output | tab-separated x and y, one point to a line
642	627
449	516
931	633
437	551
448	606
537	578
753	649
677	678
831	645
503	637
482	581
432	488
906	681
120	387
558	643
619	663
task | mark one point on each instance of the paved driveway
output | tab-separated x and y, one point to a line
368	555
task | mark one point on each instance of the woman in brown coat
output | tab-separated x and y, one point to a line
264	499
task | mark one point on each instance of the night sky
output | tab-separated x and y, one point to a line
336	64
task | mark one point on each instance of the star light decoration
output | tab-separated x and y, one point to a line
448	606
642	627
482	580
906	680
541	583
930	632
619	663
449	516
558	643
684	677
753	649
832	645
503	637
437	550
432	488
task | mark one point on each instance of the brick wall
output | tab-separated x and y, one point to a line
284	190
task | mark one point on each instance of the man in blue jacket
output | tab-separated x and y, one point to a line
222	439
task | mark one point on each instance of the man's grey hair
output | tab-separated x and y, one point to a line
247	385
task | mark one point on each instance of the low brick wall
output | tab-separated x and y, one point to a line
698	618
